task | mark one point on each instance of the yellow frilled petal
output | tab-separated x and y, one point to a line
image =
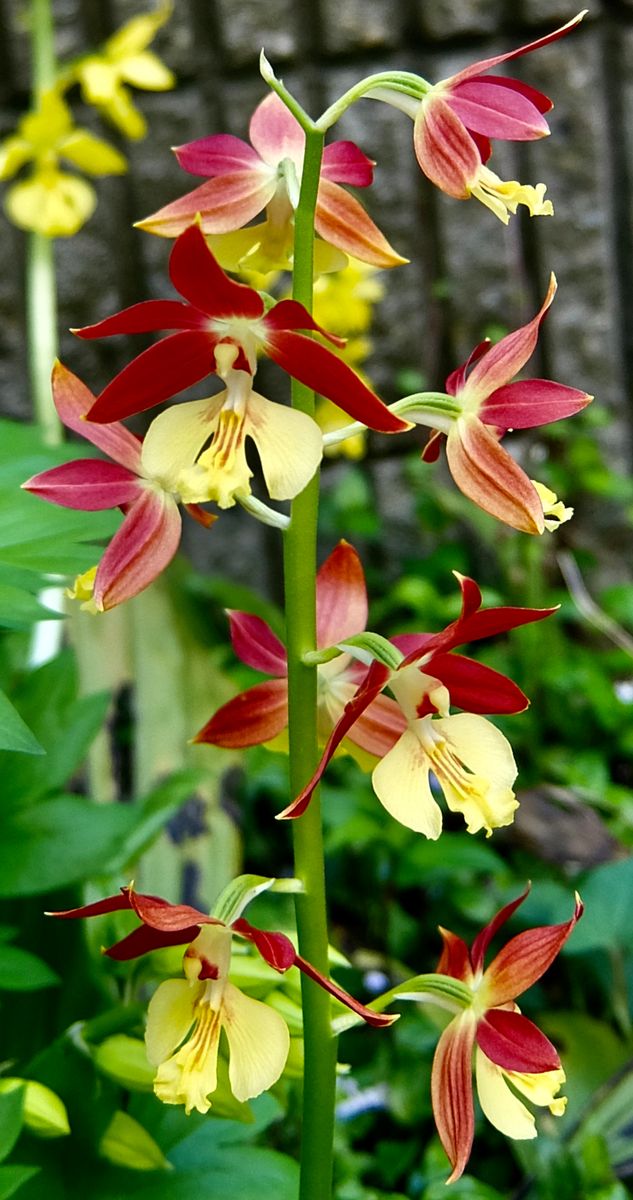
175	439
14	153
147	71
49	122
258	1043
169	1018
98	79
122	112
190	1076
503	197
475	766
263	248
554	510
51	203
91	154
504	1109
137	33
289	444
83	589
401	783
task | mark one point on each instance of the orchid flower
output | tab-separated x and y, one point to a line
186	1016
267	175
149	536
471	759
260	714
511	1054
455	119
218	311
487	405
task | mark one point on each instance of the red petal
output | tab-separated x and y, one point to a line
161	914
198	277
375	680
146	317
525	958
378	1020
503	360
530	402
143	940
98	907
275	948
222	205
485	63
316	367
143	546
220	154
289	314
341	596
343	162
252	717
255	643
452	1091
484	938
73	400
87	483
444	148
454	959
494	108
476	688
514	1043
487	474
343	222
457	378
158	373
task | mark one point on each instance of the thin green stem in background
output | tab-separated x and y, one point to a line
300	590
41	286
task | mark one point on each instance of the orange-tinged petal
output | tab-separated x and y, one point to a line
143	546
452	1091
524	959
503	360
341	596
487	474
444	148
222	205
252	717
341	220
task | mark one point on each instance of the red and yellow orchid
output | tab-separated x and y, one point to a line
470	757
456	118
267	175
260	714
511	1054
218	312
186	1016
149	536
488	404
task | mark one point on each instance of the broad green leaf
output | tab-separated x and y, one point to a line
58	842
14	732
21	971
12	1178
609	1114
11	1115
19	608
153	812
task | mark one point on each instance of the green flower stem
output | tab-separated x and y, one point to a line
300	594
41	286
394	81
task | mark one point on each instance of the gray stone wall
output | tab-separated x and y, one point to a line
467	272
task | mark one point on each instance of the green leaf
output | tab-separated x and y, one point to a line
14	732
12	1178
11	1114
609	1115
19	608
153	812
606	922
58	842
21	971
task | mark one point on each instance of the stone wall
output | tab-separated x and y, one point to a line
466	271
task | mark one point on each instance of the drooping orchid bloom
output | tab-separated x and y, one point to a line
471	759
150	533
260	714
489	403
267	175
456	118
186	1016
511	1054
218	311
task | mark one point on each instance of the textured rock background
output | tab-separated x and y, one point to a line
467	273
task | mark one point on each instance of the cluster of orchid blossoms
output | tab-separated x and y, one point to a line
194	454
186	1016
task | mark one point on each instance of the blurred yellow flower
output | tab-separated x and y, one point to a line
52	201
124	59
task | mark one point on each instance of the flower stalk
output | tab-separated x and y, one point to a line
300	591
